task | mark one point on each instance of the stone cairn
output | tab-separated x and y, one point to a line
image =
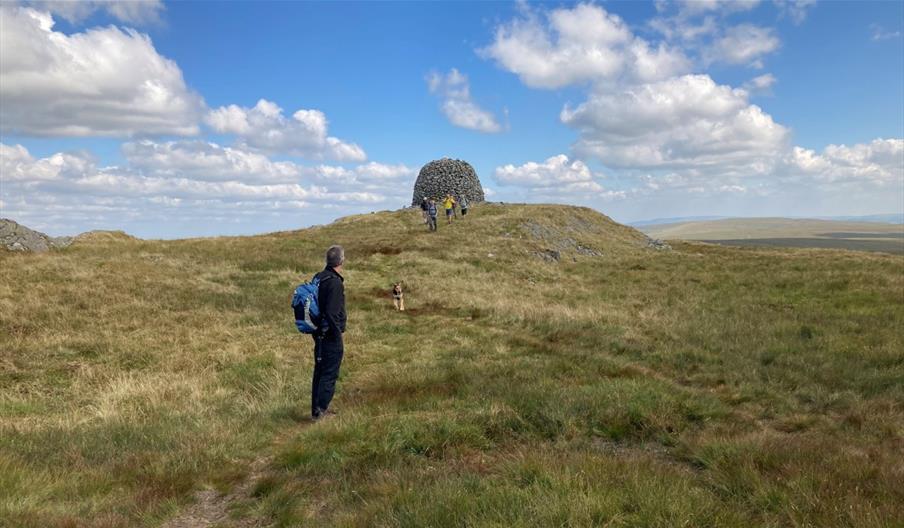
447	176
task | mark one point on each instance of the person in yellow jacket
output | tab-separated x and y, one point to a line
448	202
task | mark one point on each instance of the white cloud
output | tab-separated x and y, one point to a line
203	160
760	84
693	20
743	44
557	179
677	28
17	165
579	45
703	29
682	123
555	171
880	162
878	33
796	9
689	8
129	11
188	183
264	127
457	105
101	82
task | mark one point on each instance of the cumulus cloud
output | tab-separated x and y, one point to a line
369	175
693	20
704	30
264	127
101	82
555	171
187	180
880	162
644	116
458	106
573	46
202	160
129	11
17	165
684	122
557	179
743	44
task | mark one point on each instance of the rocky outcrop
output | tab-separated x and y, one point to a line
659	245
447	176
17	237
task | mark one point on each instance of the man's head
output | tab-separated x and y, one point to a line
335	257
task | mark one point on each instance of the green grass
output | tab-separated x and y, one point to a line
704	386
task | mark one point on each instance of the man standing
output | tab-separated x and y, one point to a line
328	346
424	205
431	214
448	203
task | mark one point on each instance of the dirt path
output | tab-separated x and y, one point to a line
211	508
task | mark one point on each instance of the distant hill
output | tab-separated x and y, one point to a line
787	232
674	220
891	218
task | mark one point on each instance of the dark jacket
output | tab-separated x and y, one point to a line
331	299
431	209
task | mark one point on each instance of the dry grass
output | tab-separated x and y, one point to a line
705	386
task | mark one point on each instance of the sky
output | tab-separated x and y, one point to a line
183	119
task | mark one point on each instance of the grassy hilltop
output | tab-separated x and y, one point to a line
162	383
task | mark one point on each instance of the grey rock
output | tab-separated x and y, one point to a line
447	176
17	237
658	245
558	239
549	255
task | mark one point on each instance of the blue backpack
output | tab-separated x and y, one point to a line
304	303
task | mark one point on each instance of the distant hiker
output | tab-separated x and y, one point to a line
398	298
431	214
463	202
328	346
447	204
424	205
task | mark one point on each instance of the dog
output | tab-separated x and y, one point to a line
398	298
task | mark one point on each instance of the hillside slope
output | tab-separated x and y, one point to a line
551	370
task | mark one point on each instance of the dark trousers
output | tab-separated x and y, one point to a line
327	358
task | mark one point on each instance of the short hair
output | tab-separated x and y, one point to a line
335	256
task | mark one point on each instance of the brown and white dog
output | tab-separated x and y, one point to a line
398	298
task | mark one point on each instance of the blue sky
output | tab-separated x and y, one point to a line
179	119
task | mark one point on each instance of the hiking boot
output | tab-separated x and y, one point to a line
326	413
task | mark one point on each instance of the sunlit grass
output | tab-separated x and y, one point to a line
704	386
